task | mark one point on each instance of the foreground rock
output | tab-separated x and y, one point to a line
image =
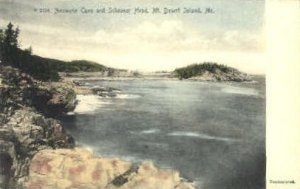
25	133
78	168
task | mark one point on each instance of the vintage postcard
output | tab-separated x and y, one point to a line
139	94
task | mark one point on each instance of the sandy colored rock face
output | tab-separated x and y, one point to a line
78	168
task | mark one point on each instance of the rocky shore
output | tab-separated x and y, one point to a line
26	126
208	71
36	152
232	75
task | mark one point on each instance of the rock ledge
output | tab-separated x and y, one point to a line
78	168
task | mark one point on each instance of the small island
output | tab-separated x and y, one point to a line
210	72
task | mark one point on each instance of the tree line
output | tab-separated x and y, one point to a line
199	69
12	55
45	69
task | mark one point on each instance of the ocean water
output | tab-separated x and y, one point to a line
213	133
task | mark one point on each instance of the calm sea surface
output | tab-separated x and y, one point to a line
213	133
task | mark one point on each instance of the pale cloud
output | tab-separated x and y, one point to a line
148	45
172	36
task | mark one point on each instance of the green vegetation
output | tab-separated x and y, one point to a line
40	68
199	69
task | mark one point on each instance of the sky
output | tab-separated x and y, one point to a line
232	35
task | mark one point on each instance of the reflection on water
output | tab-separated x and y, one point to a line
214	133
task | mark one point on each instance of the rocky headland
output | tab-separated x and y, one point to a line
36	152
210	72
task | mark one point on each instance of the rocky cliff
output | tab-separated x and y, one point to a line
19	89
24	130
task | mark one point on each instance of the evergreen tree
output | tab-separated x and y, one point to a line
15	37
9	36
1	45
28	50
10	45
1	36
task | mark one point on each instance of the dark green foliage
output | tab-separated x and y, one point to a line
1	36
40	68
11	36
74	66
199	69
37	64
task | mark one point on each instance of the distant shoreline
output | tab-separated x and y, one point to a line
146	76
